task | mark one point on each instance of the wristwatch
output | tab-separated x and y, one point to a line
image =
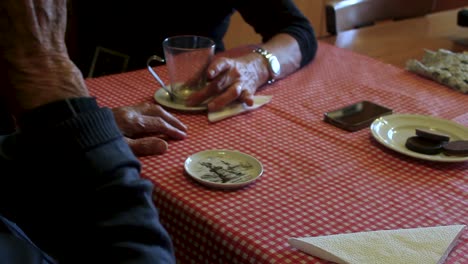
274	67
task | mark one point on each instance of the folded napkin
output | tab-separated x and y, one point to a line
417	245
238	108
446	67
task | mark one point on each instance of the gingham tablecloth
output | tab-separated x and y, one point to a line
318	179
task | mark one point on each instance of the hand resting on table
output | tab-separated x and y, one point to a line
146	126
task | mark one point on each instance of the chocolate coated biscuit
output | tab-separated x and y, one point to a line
424	146
431	135
456	148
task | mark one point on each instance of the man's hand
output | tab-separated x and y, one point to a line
146	126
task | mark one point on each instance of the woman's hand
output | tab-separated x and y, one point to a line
231	79
146	126
239	78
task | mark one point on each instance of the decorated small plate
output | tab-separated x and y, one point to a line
223	169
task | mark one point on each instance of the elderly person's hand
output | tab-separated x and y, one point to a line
146	126
231	79
237	79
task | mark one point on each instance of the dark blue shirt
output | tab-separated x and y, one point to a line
71	189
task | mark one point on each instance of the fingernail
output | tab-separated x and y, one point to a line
162	145
189	102
213	107
210	106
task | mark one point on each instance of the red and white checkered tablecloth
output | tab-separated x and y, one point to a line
318	179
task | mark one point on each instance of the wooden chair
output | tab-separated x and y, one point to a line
348	14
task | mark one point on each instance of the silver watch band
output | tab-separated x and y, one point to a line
274	66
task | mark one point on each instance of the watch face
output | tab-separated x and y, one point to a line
275	66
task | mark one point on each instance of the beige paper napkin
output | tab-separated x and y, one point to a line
238	108
418	245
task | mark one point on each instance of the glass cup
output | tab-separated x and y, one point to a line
187	58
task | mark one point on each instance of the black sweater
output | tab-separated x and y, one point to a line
72	184
137	28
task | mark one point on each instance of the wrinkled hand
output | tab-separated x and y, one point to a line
145	127
230	80
34	65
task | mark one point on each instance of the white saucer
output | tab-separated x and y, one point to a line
223	169
393	130
162	97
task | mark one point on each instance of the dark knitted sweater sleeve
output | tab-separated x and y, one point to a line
74	187
270	17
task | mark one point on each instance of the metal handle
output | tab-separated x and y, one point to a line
155	75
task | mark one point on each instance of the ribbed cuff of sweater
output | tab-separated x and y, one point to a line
77	122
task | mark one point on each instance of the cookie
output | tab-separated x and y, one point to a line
431	135
424	146
456	148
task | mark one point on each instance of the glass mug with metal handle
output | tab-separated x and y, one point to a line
187	58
